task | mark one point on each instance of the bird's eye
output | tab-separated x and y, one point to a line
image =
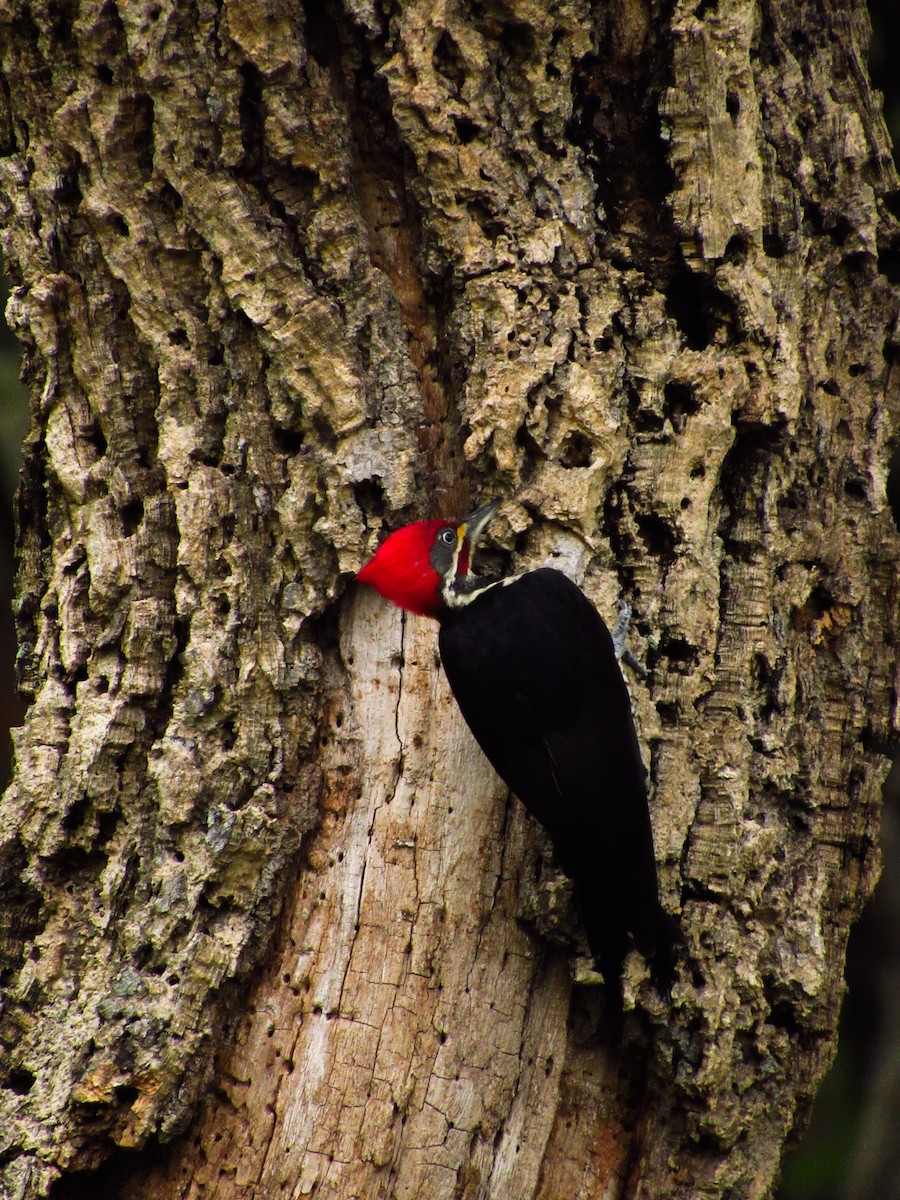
448	537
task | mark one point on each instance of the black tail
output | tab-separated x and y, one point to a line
658	936
608	943
660	945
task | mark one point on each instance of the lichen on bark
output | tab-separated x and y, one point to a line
286	278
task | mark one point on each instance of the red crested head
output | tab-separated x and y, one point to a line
403	571
419	566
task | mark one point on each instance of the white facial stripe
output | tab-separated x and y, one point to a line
449	578
459	599
454	599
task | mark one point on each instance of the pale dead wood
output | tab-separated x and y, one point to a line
286	276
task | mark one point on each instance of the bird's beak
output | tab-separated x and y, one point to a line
473	526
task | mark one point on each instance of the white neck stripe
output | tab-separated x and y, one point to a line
455	599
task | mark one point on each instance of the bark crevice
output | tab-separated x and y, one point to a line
281	272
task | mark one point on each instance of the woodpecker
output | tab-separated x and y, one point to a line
533	668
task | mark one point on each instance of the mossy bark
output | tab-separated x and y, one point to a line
286	277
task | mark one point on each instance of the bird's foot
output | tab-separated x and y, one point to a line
619	633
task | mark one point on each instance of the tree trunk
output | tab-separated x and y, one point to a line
288	277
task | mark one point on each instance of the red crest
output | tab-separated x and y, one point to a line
401	569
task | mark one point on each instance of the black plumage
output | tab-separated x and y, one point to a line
533	668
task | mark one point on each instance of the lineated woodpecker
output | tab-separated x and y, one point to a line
534	670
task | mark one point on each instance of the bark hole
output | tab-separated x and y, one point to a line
252	114
616	121
448	61
893	486
371	500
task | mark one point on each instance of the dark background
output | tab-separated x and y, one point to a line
852	1148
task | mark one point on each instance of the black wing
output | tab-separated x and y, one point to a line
533	668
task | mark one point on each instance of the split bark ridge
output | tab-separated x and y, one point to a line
287	276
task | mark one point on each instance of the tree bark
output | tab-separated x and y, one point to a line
290	276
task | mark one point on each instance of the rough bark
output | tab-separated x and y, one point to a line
289	276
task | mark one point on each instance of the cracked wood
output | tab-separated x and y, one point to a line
287	276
